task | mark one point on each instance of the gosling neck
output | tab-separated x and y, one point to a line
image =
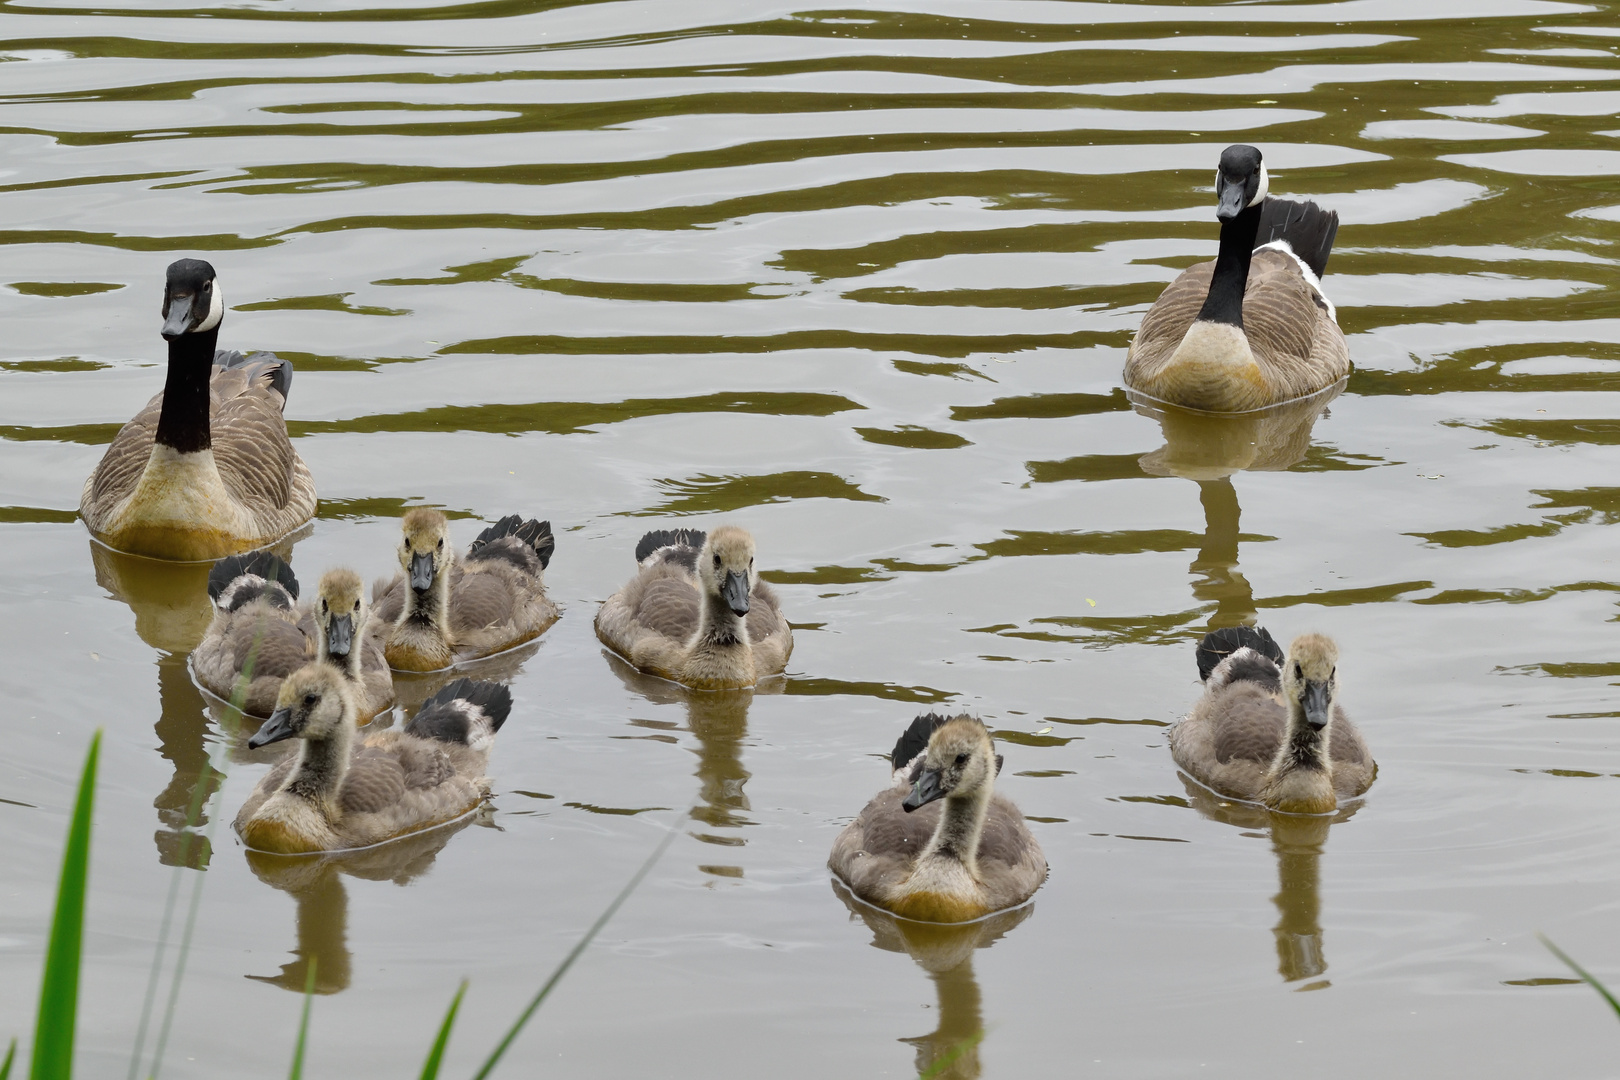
427	608
961	824
1304	748
349	663
183	423
322	765
719	628
1224	304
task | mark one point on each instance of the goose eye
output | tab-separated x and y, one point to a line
440	545
961	759
1299	672
717	562
310	699
357	605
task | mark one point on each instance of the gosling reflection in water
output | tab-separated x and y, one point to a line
945	951
1208	449
1298	841
718	719
315	883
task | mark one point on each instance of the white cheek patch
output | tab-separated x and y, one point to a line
216	310
1265	185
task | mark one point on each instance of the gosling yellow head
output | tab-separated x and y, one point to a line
423	549
726	567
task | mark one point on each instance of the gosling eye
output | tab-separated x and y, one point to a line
717	562
310	699
961	759
1299	672
1333	672
440	545
357	605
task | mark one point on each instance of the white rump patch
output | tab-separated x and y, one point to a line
216	311
1304	268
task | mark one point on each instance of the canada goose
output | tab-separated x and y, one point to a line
256	621
206	469
1269	729
973	857
697	612
446	611
339	792
1253	328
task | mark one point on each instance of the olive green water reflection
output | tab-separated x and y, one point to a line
860	279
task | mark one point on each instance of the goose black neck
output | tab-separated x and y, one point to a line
183	424
1224	304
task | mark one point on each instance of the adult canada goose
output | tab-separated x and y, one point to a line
1253	328
339	791
206	469
972	857
255	621
445	610
697	612
1269	728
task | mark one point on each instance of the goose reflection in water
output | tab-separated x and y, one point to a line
945	952
718	719
315	882
172	610
1207	449
1298	841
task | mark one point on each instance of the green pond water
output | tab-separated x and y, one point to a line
860	278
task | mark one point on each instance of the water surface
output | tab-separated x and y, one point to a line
861	279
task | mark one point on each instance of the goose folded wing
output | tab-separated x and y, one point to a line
669	606
375	782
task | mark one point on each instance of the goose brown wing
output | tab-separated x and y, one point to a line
375	782
888	831
669	606
121	466
764	619
1005	838
251	448
1249	724
1166	322
1345	745
1276	294
479	600
275	646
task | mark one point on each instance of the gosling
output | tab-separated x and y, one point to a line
963	862
338	792
259	635
1269	728
254	635
697	613
447	611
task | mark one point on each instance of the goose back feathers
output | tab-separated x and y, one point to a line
1273	732
341	791
1253	328
206	468
697	612
938	845
443	610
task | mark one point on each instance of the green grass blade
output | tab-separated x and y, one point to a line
297	1072
573	954
11	1055
59	990
430	1067
948	1058
1586	976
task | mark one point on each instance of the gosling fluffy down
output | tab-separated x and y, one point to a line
339	791
1269	728
206	468
257	621
445	611
939	845
697	612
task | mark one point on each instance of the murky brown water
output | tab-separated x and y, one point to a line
862	280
